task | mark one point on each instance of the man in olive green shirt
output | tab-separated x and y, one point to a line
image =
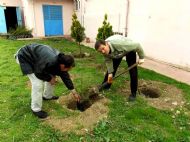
114	49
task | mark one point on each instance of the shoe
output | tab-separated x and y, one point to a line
52	98
40	114
132	97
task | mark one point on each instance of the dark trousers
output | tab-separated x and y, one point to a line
130	59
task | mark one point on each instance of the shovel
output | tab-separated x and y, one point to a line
101	87
95	90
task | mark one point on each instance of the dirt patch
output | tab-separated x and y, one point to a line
84	120
82	55
159	95
90	96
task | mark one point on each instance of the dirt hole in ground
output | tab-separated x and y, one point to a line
150	92
157	94
84	104
80	121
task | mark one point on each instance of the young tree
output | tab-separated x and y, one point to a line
105	31
77	30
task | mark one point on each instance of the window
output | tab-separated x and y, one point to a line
77	4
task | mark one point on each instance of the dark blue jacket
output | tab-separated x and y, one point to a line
42	61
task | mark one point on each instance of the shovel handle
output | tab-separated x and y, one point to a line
106	83
128	69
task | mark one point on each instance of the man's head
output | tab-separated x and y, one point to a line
66	62
102	47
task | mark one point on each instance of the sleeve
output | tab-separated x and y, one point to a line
140	51
130	46
109	64
67	80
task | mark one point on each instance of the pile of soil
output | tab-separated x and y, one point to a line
159	95
85	120
93	109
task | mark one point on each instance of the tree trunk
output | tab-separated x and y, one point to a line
80	50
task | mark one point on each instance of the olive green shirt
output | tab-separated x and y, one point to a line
120	46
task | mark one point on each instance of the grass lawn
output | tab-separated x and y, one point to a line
137	121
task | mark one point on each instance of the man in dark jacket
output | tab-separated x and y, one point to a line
42	64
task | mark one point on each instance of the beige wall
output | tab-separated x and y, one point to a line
28	14
95	10
34	15
14	3
163	28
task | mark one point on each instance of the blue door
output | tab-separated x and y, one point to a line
3	27
53	21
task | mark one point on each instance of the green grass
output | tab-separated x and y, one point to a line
126	122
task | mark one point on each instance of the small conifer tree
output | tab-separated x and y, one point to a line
105	31
77	30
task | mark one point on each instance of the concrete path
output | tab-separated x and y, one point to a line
167	70
162	68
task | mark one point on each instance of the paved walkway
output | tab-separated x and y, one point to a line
168	70
163	68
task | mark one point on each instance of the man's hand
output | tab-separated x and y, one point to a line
53	80
110	78
141	61
75	95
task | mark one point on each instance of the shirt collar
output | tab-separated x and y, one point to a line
111	47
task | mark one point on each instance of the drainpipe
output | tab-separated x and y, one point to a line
82	6
34	16
127	18
81	11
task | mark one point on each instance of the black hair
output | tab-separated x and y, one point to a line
99	42
67	60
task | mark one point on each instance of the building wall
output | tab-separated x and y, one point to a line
14	3
34	15
163	29
28	13
93	12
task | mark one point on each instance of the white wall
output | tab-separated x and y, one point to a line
95	10
14	3
28	11
34	15
163	29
